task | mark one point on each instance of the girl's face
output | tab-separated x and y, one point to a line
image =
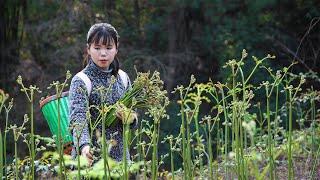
102	54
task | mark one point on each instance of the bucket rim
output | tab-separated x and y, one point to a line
52	98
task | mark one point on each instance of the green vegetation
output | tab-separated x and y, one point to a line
248	119
235	139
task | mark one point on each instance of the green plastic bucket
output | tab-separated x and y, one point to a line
49	108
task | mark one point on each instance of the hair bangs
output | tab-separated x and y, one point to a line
103	37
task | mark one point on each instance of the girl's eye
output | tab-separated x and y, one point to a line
97	48
109	48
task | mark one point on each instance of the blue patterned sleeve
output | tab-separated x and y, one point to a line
78	106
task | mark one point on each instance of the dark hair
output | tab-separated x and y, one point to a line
108	35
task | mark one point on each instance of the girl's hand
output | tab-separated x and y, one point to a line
85	152
127	118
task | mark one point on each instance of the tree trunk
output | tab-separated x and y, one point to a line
11	23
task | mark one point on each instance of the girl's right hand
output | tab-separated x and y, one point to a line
123	116
85	152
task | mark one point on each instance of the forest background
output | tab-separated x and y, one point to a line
42	39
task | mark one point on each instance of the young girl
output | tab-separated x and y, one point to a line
102	48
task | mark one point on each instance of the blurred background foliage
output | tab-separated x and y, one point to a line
42	39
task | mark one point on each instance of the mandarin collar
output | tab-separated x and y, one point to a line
97	70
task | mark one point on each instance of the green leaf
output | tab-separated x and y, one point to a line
74	162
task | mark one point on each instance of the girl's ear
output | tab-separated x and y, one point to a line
88	48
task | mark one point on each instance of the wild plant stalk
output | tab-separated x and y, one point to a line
244	100
157	113
260	120
127	115
276	119
277	80
146	92
313	124
210	160
244	84
125	148
192	114
17	132
104	146
291	97
32	134
79	128
59	88
226	132
240	119
188	147
218	147
196	99
208	126
154	166
236	127
171	156
7	110
16	158
185	153
189	116
78	158
103	109
60	143
140	140
106	169
270	143
199	143
217	119
143	150
238	109
314	165
3	99
182	131
236	140
5	145
314	155
136	140
29	92
290	168
172	148
1	155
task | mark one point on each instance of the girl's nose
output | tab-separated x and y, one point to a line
103	52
